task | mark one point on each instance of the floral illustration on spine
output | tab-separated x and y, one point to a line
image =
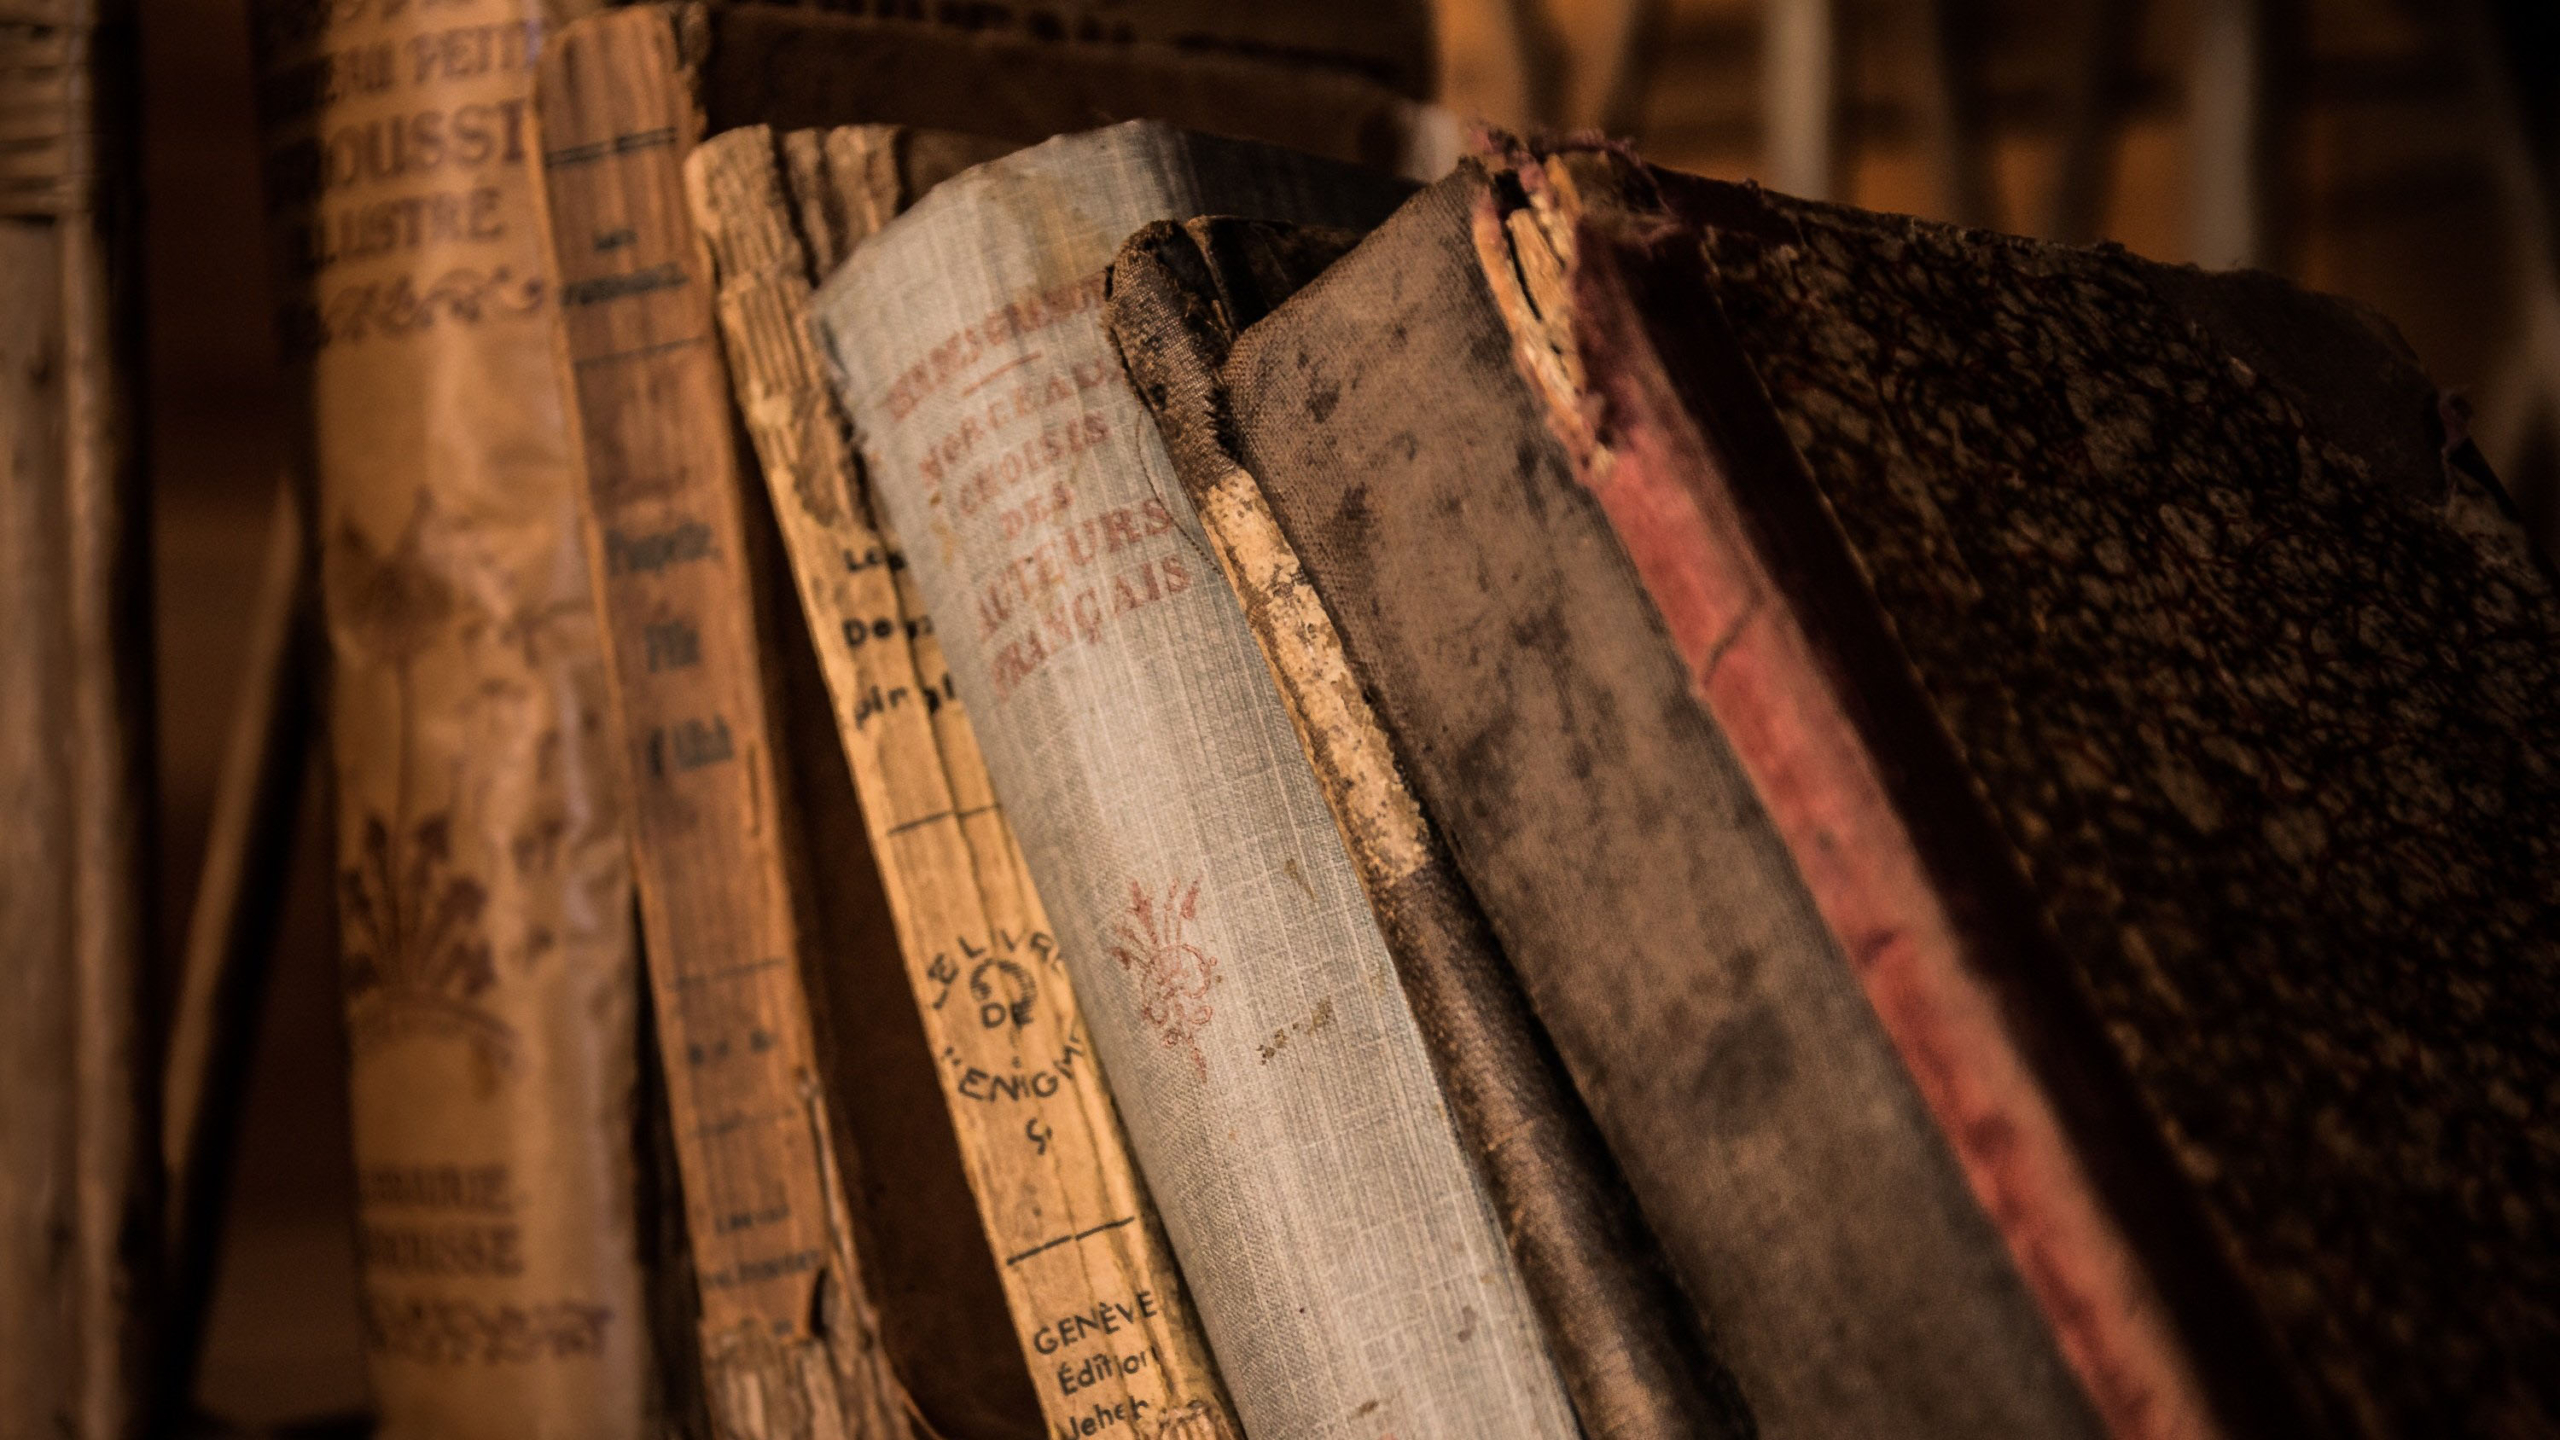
1173	974
417	959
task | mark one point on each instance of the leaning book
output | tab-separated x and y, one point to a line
1348	1268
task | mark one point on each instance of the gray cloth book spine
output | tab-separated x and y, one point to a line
1347	1264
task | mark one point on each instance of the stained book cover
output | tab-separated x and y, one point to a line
2154	692
618	124
1716	1034
1630	1349
1347	1267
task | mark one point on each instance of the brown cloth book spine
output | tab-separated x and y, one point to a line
483	888
1629	1348
790	1339
1082	1254
78	1223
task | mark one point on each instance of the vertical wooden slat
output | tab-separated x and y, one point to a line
2521	403
2106	32
1800	77
1950	49
2226	133
36	1103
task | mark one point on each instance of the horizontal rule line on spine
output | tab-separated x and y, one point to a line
640	352
618	145
624	284
903	826
1048	1245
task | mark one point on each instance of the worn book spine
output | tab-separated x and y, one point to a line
790	1342
1629	1347
483	889
1718	1038
78	1231
1096	1298
1344	1257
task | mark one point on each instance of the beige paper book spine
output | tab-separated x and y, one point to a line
76	1164
790	1345
1096	1297
484	893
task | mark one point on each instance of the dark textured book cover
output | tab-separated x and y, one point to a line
1714	1031
2176	683
2016	778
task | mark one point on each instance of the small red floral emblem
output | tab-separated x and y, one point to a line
1173	974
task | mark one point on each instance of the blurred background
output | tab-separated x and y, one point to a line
2397	152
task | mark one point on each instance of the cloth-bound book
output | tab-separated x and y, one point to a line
1633	1353
1350	1273
1778	1153
2056	746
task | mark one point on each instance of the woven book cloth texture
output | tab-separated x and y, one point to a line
1346	1264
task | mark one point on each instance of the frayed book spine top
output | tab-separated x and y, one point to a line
1097	1302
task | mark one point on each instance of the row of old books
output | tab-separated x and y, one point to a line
1235	774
